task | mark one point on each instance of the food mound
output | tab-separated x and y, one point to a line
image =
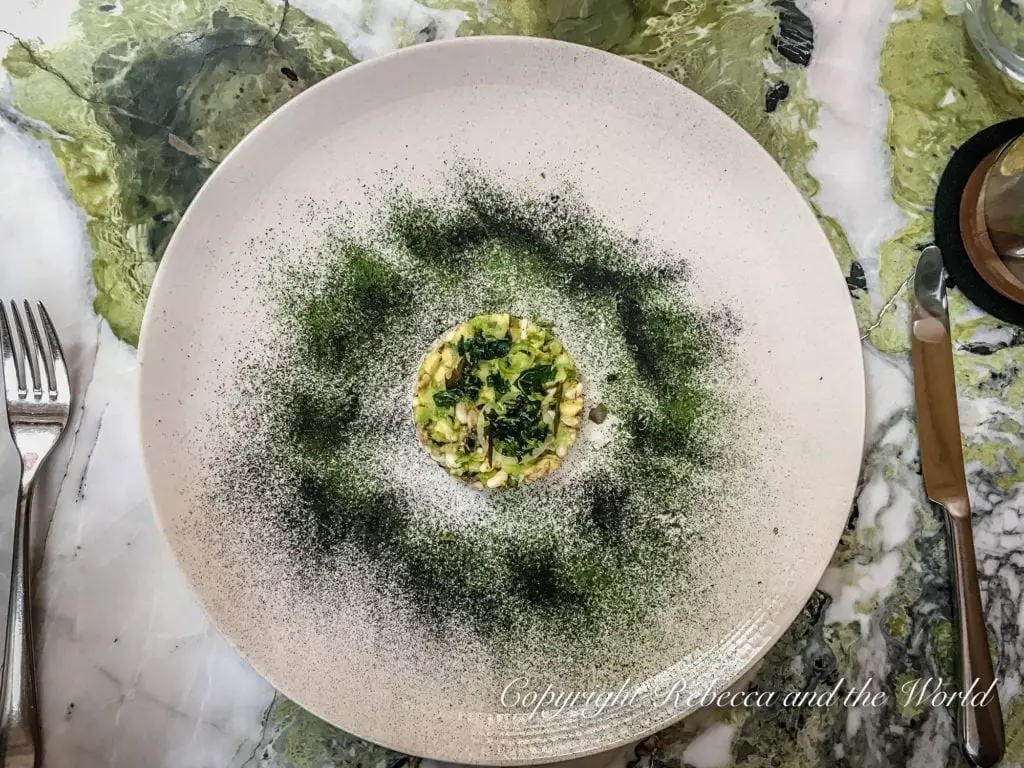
498	401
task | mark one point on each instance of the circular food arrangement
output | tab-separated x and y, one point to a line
479	533
498	401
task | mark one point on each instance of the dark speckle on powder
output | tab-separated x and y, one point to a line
326	461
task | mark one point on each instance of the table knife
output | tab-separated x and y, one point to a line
980	726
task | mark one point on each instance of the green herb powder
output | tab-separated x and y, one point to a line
333	463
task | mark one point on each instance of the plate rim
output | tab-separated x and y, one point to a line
153	309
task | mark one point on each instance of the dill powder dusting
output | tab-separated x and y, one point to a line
333	465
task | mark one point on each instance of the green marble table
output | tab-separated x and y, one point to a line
114	112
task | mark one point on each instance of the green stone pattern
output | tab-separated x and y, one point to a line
925	62
293	738
941	93
144	104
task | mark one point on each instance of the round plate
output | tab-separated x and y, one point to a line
650	158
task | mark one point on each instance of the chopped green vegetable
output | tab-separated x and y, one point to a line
485	405
534	379
447	399
520	429
479	348
498	382
467	388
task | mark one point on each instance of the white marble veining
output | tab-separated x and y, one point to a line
711	748
382	27
42	234
119	629
852	162
132	674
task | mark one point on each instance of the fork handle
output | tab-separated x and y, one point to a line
19	719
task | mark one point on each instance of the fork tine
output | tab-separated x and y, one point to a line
14	376
26	350
61	385
43	359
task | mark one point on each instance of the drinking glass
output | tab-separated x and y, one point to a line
997	29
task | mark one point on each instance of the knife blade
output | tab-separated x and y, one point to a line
980	721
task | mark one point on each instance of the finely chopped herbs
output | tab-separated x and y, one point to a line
497	401
329	457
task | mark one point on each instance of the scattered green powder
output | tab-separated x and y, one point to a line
586	552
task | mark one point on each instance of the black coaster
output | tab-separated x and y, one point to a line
947	220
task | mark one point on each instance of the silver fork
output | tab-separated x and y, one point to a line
38	404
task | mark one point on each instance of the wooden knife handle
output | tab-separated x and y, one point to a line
980	717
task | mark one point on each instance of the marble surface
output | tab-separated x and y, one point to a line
112	112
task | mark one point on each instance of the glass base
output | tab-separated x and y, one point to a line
996	27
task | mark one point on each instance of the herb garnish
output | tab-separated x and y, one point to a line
520	429
533	379
499	382
477	347
466	388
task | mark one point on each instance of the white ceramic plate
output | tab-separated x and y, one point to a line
648	156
